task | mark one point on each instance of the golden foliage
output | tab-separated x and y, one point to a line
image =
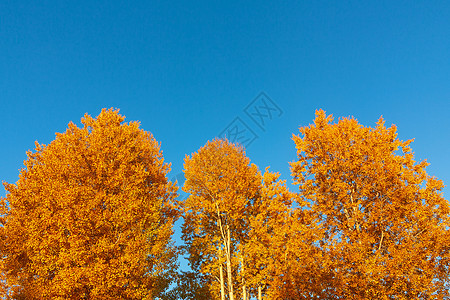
91	218
384	221
281	256
223	188
91	215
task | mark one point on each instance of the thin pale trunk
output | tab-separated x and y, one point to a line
222	283
244	287
259	293
227	242
381	240
229	273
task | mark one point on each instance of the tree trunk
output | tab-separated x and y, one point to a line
244	287
222	283
229	272
259	293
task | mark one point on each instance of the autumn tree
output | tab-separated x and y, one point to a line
384	220
223	188
269	226
283	262
91	215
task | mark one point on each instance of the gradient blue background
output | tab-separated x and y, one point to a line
186	69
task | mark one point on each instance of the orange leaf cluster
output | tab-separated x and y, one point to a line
383	224
91	215
91	218
366	223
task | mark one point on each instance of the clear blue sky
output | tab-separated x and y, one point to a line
186	69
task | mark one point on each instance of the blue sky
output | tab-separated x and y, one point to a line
187	69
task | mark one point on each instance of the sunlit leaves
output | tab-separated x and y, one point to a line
91	215
91	218
385	219
224	189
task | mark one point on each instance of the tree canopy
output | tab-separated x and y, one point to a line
224	189
91	215
383	221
